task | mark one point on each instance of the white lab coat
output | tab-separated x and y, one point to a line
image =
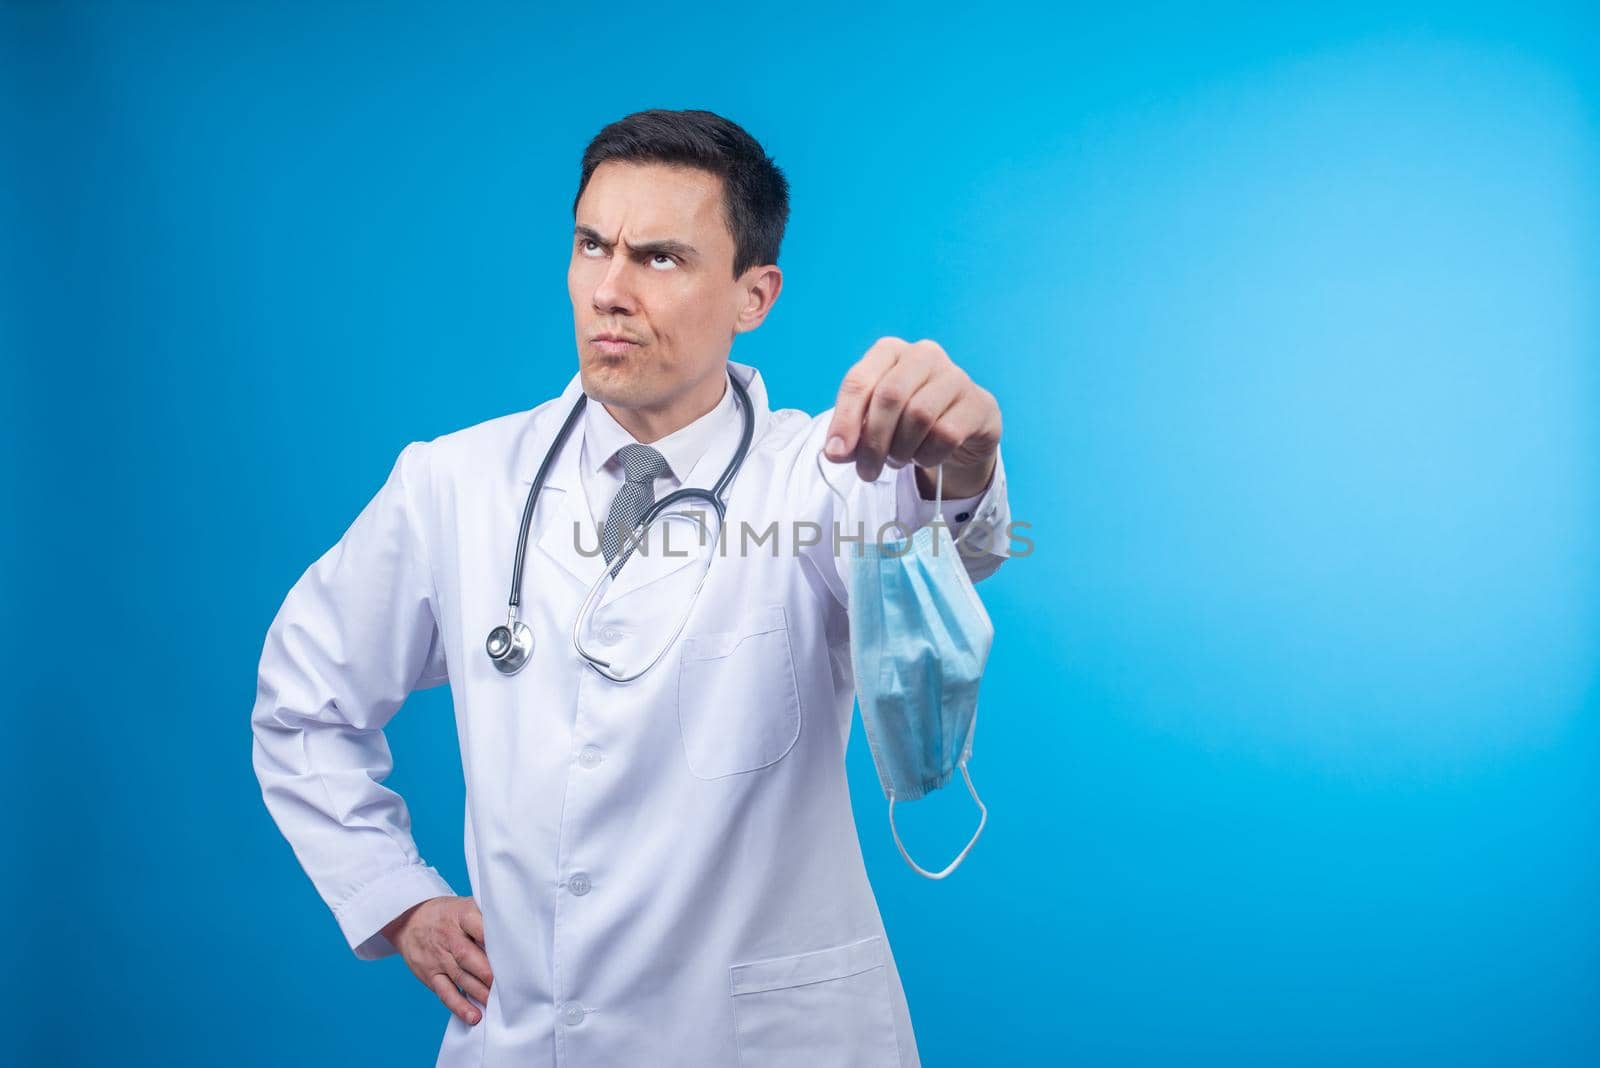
668	869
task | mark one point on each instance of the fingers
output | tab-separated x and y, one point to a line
467	951
469	975
472	921
929	408
855	392
442	985
475	976
961	422
461	972
894	390
908	402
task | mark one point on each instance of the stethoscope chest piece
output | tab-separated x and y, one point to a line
509	646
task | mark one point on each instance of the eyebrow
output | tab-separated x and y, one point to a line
669	246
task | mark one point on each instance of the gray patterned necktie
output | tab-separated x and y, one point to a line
641	465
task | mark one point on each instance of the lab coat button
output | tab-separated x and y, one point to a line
578	884
572	1013
610	635
590	757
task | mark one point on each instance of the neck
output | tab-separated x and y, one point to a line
652	424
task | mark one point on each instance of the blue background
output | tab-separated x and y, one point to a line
1291	731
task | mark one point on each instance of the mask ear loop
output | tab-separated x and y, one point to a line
826	481
982	819
938	492
938	508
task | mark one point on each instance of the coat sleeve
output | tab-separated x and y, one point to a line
865	508
355	635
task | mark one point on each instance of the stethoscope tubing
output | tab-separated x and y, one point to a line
715	495
533	497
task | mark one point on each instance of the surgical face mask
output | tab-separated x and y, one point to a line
919	638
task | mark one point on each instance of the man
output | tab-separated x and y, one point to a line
667	868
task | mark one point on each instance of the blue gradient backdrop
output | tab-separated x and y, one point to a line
1291	732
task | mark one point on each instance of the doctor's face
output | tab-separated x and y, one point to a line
652	263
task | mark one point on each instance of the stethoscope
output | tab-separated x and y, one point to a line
511	644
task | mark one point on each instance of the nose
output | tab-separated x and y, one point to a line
614	292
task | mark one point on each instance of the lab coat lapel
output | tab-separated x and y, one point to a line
568	535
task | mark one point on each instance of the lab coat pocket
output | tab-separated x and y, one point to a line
738	702
829	1007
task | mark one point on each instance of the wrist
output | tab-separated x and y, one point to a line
960	480
392	929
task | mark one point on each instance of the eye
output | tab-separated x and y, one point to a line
672	260
584	243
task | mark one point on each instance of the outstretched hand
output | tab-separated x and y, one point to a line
907	402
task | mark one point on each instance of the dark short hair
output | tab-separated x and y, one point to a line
755	194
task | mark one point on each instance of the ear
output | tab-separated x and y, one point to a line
760	286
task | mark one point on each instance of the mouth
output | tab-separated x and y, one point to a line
613	344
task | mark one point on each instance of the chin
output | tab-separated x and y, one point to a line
619	380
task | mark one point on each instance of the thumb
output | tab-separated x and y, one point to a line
841	441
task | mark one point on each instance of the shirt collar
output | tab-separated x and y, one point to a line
682	449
